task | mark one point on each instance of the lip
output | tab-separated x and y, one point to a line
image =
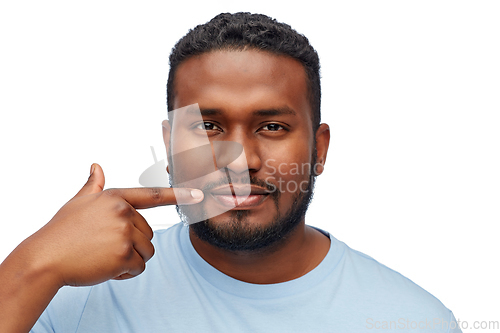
224	196
228	190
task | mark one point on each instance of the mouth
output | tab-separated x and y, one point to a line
230	196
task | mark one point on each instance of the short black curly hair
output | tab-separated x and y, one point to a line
245	30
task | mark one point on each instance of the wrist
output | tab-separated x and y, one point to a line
37	266
26	288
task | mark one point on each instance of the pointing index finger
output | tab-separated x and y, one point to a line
141	198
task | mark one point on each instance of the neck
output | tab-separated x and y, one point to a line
296	255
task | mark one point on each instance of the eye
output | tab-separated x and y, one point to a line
208	126
273	127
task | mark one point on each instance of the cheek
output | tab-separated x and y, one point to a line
182	139
289	164
190	157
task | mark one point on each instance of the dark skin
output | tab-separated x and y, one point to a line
96	236
237	84
99	234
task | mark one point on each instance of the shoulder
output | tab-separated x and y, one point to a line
167	244
170	234
387	294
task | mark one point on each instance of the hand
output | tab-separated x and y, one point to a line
98	235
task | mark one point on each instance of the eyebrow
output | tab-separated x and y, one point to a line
284	110
275	111
210	112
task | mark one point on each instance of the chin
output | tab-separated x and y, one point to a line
240	231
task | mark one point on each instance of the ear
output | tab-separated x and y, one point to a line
165	126
322	143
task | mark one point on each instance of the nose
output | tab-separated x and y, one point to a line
244	160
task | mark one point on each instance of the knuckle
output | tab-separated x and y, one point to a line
125	252
149	232
151	252
122	208
141	267
92	182
136	267
111	192
126	230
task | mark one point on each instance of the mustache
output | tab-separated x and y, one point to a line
242	181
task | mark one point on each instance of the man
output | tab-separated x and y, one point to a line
252	266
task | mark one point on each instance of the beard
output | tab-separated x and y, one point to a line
239	235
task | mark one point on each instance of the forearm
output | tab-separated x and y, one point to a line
96	236
26	288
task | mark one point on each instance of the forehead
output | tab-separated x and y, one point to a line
246	79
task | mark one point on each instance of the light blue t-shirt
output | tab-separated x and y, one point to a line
180	292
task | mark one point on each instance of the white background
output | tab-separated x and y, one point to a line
410	91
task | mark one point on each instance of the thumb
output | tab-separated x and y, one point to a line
95	183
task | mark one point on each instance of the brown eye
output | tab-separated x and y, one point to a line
208	126
273	127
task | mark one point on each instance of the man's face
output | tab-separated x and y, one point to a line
259	100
